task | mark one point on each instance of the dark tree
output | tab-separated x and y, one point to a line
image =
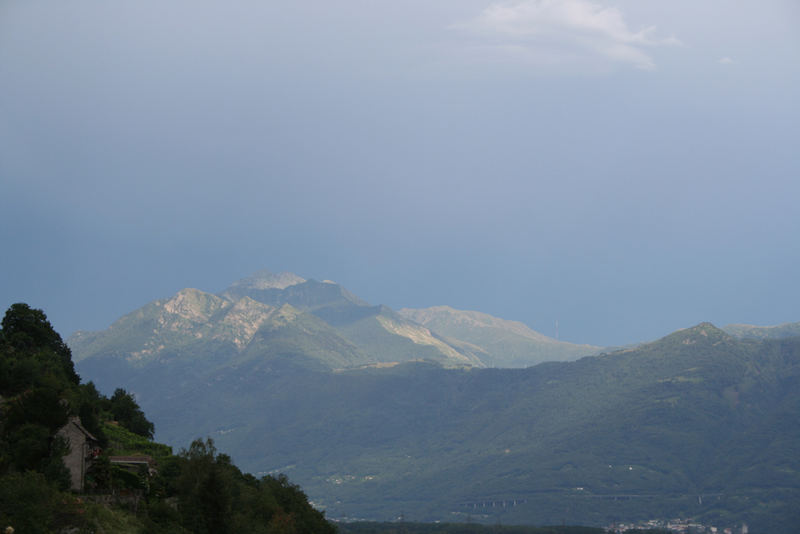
123	407
26	330
204	489
89	407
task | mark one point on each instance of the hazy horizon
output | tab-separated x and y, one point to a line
624	168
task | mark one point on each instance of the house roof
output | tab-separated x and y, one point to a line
130	459
77	422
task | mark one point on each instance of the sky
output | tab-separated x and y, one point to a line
619	168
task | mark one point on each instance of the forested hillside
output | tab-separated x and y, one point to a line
127	483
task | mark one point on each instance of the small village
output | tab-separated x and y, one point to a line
677	526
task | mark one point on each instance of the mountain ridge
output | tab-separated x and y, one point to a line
505	343
378	333
779	331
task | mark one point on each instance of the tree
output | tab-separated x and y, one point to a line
90	404
123	407
204	489
28	434
27	332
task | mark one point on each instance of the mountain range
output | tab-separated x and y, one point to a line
318	325
378	413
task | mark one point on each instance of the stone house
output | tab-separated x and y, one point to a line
83	447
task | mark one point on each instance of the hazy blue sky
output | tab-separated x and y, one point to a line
624	167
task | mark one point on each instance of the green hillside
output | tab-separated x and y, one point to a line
696	424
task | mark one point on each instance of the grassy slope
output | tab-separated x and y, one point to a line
504	343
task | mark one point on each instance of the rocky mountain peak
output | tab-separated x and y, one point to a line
194	305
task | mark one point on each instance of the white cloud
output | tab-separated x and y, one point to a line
726	61
564	31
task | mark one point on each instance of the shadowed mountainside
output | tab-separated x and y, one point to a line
698	424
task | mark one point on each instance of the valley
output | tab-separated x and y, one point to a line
697	424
